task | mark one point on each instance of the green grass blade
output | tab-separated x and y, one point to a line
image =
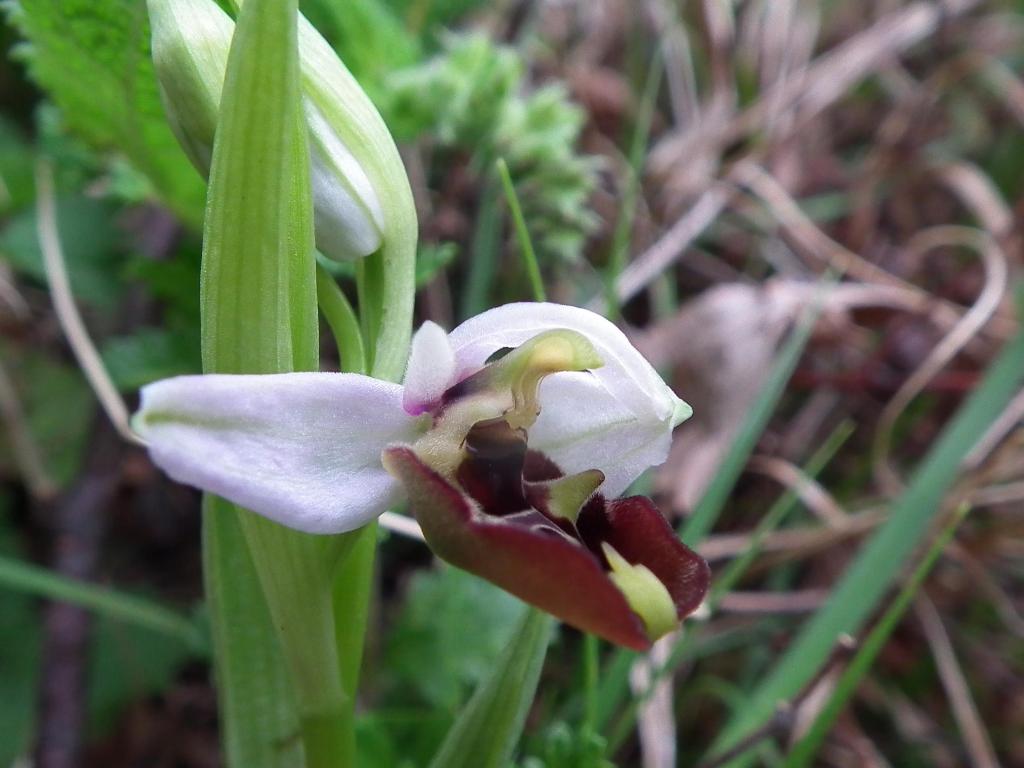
614	687
700	523
489	725
803	753
683	649
148	614
522	233
879	562
259	722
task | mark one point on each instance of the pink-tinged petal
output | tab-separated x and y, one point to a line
302	449
617	418
523	553
430	371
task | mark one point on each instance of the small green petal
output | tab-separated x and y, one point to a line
567	495
644	592
681	411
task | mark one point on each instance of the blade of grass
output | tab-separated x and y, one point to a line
489	726
615	684
148	614
703	519
867	579
805	750
776	514
522	233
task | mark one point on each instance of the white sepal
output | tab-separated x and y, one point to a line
302	449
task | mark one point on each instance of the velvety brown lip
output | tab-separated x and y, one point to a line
485	523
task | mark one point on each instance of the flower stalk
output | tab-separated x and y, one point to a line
258	300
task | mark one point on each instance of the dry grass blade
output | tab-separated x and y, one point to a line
996	277
816	498
976	739
655	719
67	313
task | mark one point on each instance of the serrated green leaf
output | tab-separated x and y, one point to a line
92	58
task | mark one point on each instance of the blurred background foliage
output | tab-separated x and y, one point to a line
703	168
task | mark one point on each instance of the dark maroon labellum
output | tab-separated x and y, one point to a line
497	522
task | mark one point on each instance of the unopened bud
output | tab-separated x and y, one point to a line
191	40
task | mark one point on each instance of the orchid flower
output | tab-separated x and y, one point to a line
511	438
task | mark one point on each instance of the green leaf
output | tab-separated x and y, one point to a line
342	321
489	725
880	561
34	579
150	354
128	664
259	719
429	652
92	58
60	433
804	751
433	258
91	248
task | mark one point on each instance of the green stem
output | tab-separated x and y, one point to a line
342	320
591	669
326	745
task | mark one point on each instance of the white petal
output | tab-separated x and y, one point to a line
618	418
582	426
431	369
300	448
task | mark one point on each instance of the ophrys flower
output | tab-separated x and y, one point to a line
511	437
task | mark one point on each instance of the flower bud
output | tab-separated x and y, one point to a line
191	40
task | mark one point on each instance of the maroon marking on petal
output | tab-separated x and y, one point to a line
521	553
637	530
492	472
537	468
